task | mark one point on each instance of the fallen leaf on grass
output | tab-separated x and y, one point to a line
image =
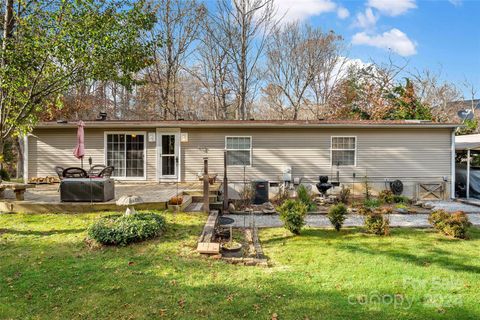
181	303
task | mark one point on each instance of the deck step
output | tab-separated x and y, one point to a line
194	207
216	205
199	192
199	198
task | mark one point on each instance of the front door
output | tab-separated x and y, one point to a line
168	149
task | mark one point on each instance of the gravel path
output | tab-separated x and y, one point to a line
353	220
454	206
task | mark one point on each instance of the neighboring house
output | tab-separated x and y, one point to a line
411	151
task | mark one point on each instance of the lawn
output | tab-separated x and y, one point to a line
48	271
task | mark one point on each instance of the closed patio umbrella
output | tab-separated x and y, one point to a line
79	151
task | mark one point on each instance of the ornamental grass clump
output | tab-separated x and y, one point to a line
123	229
292	213
337	215
454	224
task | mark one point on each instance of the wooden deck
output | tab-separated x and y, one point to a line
46	198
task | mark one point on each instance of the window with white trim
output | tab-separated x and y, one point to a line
126	153
239	151
343	151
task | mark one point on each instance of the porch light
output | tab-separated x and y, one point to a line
184	137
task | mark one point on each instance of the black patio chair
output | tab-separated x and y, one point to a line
59	171
106	172
95	170
74	172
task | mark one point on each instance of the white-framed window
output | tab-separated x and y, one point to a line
239	151
343	151
126	152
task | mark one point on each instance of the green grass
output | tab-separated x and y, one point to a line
47	271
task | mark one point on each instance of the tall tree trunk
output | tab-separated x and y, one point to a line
20	164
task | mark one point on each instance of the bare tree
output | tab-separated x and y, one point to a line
214	71
435	92
304	65
331	70
246	25
177	28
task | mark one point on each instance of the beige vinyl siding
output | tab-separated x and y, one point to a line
412	155
48	148
409	154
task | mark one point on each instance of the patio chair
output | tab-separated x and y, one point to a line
106	172
95	170
59	171
74	172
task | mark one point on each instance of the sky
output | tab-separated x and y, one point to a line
440	35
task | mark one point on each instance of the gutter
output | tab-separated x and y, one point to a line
153	125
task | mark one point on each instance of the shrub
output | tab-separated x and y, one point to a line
122	230
377	223
366	186
292	213
401	199
372	203
305	196
282	195
452	224
386	196
363	210
344	195
401	206
4	175
385	210
337	215
246	195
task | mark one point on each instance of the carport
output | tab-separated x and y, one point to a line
469	145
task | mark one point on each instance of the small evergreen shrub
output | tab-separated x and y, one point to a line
337	215
122	230
344	195
305	196
377	223
451	224
292	213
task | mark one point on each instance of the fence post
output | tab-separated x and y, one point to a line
206	193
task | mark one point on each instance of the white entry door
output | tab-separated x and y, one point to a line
168	148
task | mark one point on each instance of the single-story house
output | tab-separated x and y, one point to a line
411	151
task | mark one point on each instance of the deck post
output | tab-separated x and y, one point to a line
206	193
468	174
225	182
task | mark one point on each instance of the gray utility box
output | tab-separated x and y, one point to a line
260	191
87	190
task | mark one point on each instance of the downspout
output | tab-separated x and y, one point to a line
452	165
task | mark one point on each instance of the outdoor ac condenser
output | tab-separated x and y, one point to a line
87	190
